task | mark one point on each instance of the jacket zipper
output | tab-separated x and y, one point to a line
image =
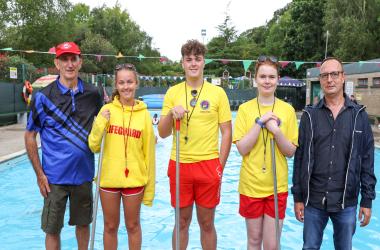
349	159
308	164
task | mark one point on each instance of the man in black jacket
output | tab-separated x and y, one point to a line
334	161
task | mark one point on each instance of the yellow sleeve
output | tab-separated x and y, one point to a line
149	148
224	107
240	128
292	129
96	134
168	103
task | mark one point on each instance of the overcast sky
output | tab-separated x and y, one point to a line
172	22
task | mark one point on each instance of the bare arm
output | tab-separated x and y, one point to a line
246	144
225	144
32	150
165	127
286	147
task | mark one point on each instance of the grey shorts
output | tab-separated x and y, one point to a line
55	205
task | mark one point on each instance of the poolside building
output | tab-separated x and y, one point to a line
362	80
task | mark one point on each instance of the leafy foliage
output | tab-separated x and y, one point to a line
296	32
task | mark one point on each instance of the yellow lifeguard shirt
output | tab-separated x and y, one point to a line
253	181
211	109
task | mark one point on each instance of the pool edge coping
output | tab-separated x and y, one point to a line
11	156
14	155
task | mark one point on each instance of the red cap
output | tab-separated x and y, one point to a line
65	48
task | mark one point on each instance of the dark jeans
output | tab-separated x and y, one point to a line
344	224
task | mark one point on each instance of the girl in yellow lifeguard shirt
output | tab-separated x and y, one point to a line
128	164
257	121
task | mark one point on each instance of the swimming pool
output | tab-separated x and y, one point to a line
21	206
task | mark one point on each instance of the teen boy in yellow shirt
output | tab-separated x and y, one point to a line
203	109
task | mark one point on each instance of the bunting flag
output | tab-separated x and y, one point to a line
119	55
225	61
298	64
207	61
246	64
318	64
52	50
163	59
284	63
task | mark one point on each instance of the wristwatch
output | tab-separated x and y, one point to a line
260	123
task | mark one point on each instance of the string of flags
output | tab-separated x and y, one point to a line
162	59
283	81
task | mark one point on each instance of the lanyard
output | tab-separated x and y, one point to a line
265	137
126	139
188	117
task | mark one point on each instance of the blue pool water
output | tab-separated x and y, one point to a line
21	206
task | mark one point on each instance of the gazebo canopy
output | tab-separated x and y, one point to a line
287	81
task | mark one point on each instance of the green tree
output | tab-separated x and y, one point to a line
224	47
116	25
277	34
227	31
125	35
77	21
35	25
38	22
354	28
98	45
304	34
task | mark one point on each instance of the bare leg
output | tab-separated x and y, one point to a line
206	223
269	232
53	242
185	215
254	233
83	236
132	206
111	212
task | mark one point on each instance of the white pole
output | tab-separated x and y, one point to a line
327	41
272	144
177	236
95	210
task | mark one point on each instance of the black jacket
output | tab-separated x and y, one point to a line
360	171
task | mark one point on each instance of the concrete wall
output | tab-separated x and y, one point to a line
368	95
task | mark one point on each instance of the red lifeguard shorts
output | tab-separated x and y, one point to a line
199	182
252	208
124	191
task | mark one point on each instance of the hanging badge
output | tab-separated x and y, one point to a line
126	172
264	169
193	102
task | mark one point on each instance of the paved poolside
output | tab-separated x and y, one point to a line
12	141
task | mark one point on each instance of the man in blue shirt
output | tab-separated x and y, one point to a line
333	163
62	113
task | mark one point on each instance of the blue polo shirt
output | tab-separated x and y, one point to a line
64	117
